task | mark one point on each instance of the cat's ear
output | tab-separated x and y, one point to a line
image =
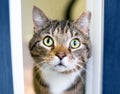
40	20
82	23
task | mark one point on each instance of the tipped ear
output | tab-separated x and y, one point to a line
82	23
40	20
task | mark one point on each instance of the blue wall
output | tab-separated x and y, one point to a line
6	86
111	70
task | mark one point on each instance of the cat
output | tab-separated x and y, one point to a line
60	50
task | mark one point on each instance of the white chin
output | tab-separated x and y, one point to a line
60	68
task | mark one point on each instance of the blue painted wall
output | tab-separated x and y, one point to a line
6	86
111	70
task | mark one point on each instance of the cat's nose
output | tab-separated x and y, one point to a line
61	55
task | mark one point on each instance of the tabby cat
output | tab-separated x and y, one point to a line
60	50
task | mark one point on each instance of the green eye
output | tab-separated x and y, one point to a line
75	43
48	41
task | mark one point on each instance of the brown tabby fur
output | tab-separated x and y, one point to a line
62	31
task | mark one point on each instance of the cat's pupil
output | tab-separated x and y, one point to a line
75	43
48	40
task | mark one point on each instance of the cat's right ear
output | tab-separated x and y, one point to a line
40	20
83	22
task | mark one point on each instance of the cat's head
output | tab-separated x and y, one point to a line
62	46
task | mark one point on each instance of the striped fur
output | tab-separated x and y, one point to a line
60	59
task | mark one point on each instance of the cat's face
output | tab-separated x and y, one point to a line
61	46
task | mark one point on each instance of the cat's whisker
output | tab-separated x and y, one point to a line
38	64
37	71
75	89
80	66
84	69
48	58
72	67
82	79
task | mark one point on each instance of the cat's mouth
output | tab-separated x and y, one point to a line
60	64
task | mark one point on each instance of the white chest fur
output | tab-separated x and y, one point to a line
58	82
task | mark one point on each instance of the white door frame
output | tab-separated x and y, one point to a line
94	75
16	46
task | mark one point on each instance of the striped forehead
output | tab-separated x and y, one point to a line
62	32
62	27
62	35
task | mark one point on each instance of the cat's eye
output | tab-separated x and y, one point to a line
48	41
75	43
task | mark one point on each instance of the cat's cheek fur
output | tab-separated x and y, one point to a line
55	61
58	82
69	63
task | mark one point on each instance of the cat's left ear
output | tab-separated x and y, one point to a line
82	23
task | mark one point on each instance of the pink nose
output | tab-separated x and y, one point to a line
61	55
